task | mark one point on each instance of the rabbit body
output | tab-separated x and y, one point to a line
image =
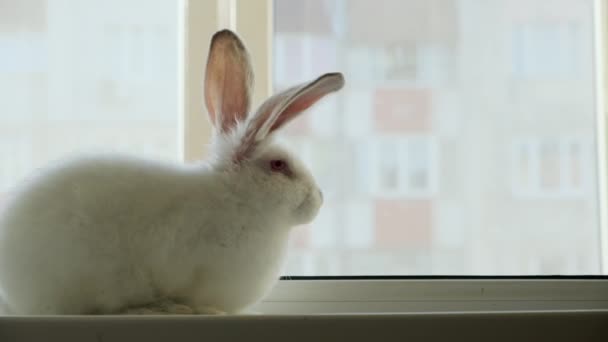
109	234
103	234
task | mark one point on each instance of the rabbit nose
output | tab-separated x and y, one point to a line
320	194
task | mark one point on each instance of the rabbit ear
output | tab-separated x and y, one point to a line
283	107
228	81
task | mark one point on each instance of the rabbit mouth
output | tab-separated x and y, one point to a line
311	197
309	207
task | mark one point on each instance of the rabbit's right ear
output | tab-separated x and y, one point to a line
282	108
228	81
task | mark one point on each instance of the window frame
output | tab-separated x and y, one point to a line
307	295
420	294
600	24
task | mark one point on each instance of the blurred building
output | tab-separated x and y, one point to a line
76	76
463	143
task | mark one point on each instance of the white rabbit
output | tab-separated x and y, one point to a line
109	234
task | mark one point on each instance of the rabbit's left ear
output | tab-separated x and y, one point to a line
285	106
228	81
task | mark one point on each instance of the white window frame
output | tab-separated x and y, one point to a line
419	295
600	20
356	295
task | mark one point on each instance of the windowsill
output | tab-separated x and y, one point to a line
589	325
364	310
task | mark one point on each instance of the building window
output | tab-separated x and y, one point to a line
551	167
403	166
546	50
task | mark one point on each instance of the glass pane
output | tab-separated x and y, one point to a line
80	76
463	142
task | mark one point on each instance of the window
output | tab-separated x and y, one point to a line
468	130
401	166
557	168
453	144
82	76
546	50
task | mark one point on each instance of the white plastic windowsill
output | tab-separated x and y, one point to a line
364	310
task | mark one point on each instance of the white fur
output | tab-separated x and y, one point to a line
103	234
115	234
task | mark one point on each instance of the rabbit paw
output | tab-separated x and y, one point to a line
164	307
179	309
144	310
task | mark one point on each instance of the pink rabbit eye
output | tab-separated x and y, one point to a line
278	165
